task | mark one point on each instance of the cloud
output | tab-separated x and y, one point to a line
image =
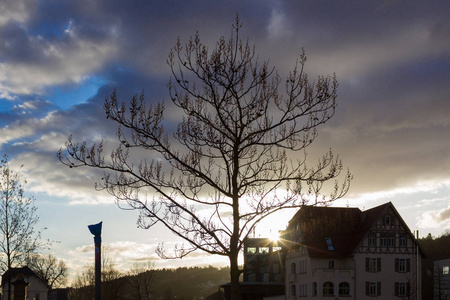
277	26
68	60
383	111
436	219
15	11
391	125
124	253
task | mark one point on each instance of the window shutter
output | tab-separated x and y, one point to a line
379	288
367	264
408	291
396	289
379	264
408	265
396	265
367	288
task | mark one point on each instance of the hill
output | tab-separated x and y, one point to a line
161	284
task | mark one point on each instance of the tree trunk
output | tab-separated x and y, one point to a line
234	276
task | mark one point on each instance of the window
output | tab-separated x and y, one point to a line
251	249
391	241
445	270
314	289
372	241
373	288
264	249
402	265
293	291
328	288
387	220
36	297
373	267
383	241
402	289
331	264
276	268
373	264
402	241
302	290
344	289
302	266
293	268
330	246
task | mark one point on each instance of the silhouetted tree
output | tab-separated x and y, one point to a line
111	285
141	280
18	236
49	269
83	286
239	143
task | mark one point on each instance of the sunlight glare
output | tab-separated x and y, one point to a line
274	235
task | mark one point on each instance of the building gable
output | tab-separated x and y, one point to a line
387	233
338	232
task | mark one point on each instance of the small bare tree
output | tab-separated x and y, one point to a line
237	155
83	286
49	269
19	238
112	284
141	280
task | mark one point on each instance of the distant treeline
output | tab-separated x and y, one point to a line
163	284
436	248
189	283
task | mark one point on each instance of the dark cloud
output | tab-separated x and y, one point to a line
391	59
392	98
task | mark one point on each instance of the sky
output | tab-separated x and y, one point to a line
59	59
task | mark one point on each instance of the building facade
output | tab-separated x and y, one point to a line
36	289
441	282
346	253
263	261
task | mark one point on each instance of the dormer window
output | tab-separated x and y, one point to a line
329	244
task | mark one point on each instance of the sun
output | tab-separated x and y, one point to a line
274	235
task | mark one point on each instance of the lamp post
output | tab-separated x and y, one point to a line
96	230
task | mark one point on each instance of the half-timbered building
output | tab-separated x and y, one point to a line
346	253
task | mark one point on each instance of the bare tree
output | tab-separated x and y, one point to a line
48	268
141	279
111	283
238	153
83	286
18	236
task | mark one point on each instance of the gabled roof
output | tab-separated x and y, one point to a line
335	232
14	271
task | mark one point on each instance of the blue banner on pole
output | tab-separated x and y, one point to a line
96	230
